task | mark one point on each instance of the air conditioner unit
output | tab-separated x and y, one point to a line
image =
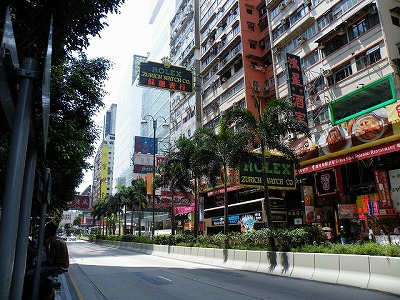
282	6
321	45
291	136
307	2
261	43
256	88
220	9
327	73
289	1
341	31
283	21
267	89
224	79
301	40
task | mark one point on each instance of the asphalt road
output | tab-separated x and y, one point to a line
98	272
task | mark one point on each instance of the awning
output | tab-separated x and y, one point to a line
352	157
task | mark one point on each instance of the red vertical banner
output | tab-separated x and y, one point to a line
296	87
383	189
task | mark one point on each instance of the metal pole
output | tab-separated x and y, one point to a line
15	176
23	226
154	171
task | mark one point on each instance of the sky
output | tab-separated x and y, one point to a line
126	35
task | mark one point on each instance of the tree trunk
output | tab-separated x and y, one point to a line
226	213
140	218
172	214
132	218
196	209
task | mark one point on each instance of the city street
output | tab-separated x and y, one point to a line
98	272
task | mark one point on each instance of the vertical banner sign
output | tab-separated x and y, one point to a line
325	182
383	189
296	87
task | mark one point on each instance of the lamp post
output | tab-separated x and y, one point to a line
164	125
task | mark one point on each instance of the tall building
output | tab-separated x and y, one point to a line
103	165
155	102
186	109
110	121
236	65
340	60
127	126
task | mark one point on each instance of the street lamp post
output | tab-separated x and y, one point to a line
164	125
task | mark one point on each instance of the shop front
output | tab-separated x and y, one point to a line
351	176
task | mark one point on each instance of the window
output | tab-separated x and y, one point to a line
363	25
252	45
340	73
368	58
249	11
334	44
250	25
310	59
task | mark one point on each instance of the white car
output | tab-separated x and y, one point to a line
72	238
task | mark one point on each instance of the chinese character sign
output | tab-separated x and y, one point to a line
296	87
167	77
325	182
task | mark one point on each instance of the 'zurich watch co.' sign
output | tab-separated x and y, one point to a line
165	76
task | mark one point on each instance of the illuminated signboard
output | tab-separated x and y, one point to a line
165	76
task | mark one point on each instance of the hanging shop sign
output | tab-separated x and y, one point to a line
165	76
279	171
325	182
347	211
80	202
296	87
383	188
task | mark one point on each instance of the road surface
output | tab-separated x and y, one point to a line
98	272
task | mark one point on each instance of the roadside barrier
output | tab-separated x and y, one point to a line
363	271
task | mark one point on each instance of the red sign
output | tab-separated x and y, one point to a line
368	153
80	202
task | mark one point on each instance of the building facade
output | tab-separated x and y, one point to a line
348	55
103	165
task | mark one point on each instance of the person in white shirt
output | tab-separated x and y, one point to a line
396	230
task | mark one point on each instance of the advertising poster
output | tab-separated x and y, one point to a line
394	178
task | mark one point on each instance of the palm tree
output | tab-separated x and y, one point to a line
227	148
137	195
268	127
189	152
175	176
99	212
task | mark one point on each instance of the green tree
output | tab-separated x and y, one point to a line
227	148
138	197
198	163
267	128
176	177
77	221
76	87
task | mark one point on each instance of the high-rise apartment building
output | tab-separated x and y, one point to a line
236	64
103	165
344	56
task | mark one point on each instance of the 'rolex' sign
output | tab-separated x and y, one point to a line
279	171
165	76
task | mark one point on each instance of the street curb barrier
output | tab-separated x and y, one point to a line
252	261
276	263
303	265
354	269
372	272
326	267
385	274
239	260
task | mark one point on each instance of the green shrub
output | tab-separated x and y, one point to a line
305	239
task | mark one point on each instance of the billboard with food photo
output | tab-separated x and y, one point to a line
341	138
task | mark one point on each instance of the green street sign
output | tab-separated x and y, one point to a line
279	171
